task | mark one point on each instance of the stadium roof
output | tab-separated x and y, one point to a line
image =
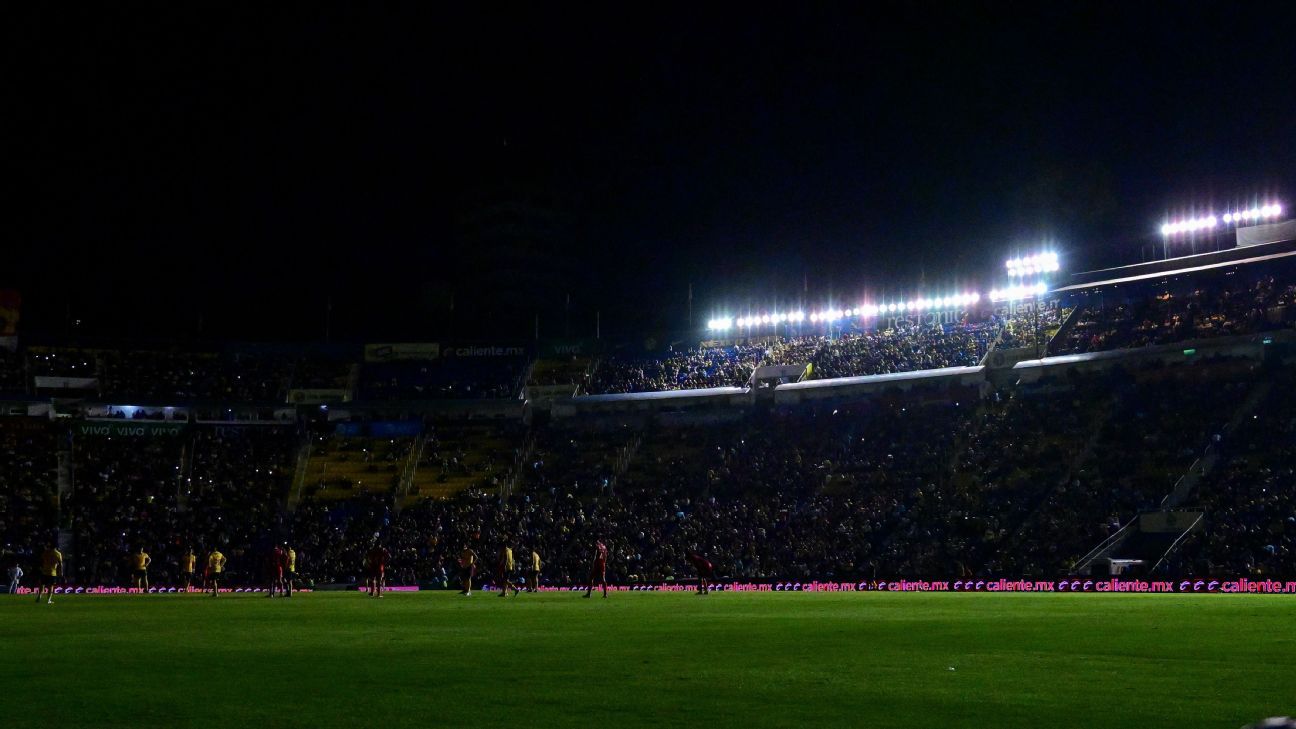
880	379
1176	266
662	395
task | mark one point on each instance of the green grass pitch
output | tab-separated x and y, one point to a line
648	659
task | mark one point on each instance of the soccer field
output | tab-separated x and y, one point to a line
649	659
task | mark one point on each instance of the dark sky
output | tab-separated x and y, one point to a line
179	171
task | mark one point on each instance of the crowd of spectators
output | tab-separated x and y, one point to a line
1031	328
124	496
165	376
903	350
28	486
1144	430
447	379
173	376
683	369
1249	499
1019	483
1212	310
872	352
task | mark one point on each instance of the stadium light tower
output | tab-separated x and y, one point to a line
1046	262
1209	223
1021	292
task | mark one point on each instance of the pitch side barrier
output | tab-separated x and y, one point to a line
1076	585
114	590
1180	586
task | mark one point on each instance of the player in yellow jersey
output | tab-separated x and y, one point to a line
533	579
467	568
51	568
504	570
291	573
188	562
215	568
139	562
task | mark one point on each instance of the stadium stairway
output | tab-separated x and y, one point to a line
299	474
1133	541
1062	331
66	538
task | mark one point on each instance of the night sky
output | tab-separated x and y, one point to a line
207	173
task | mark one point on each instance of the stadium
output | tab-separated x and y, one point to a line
1058	489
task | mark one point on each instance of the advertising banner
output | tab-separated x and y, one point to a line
318	396
402	351
380	429
565	348
129	429
484	350
542	393
67	383
779	372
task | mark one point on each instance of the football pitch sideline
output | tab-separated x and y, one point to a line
648	659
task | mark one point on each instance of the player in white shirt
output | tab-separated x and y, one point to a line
15	577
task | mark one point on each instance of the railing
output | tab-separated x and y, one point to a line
183	475
408	471
1065	328
509	484
299	476
1178	541
1106	544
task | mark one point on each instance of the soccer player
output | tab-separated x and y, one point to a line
215	568
533	579
278	562
51	568
291	573
598	568
188	562
15	578
467	568
504	570
376	569
139	562
705	572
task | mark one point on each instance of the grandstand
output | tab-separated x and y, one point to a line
1047	436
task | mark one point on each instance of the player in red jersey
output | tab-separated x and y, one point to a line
598	568
278	567
376	569
705	571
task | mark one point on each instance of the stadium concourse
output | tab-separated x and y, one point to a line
1141	427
